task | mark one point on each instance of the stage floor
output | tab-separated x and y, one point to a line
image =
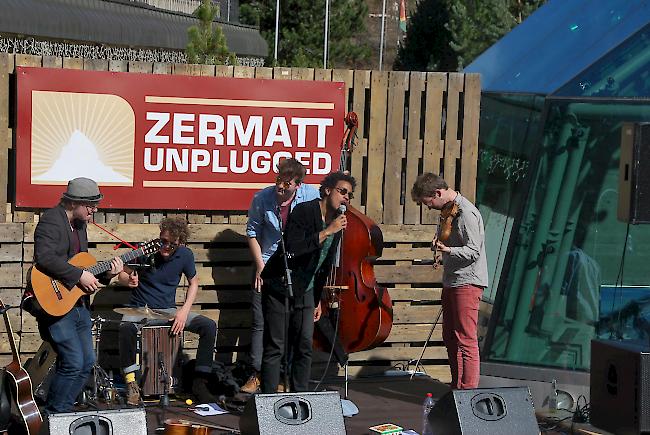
380	399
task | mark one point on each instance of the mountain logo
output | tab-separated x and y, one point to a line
82	135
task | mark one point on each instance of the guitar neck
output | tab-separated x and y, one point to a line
104	266
10	333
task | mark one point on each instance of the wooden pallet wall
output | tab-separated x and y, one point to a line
409	122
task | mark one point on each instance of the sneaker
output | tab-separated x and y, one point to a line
252	385
132	393
202	392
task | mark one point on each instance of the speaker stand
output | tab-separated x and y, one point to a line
348	406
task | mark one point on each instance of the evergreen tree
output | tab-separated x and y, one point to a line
447	35
206	42
475	25
301	39
427	45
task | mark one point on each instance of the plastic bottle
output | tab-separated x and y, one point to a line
552	399
426	407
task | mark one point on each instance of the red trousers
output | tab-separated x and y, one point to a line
459	333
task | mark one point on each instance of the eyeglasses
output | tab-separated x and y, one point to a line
166	244
90	208
343	191
284	183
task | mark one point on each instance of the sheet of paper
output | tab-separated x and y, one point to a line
206	409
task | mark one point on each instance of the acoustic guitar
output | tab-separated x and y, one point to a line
187	427
56	299
22	384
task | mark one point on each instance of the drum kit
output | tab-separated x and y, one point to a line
157	350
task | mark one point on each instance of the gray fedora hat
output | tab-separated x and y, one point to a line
83	189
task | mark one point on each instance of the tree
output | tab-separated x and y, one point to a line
301	39
427	45
207	43
447	35
475	25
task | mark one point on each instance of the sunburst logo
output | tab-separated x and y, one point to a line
82	135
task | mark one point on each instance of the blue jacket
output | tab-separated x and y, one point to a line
263	223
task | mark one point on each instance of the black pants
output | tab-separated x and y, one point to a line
301	330
204	326
326	327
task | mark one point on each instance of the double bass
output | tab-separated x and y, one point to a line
365	310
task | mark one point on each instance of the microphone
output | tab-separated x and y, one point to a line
343	208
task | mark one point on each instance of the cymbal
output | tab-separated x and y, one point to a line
144	312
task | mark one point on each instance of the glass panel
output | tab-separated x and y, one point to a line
569	243
556	42
624	72
510	127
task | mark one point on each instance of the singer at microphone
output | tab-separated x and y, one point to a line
312	236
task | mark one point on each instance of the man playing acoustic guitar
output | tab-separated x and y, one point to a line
59	236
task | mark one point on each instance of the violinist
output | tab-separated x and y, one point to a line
311	235
465	274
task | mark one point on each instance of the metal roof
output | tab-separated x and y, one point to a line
117	23
557	42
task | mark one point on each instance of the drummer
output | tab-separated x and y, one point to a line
155	287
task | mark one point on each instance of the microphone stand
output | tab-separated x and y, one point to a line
348	406
163	376
288	294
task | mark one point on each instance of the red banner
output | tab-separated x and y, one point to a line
169	142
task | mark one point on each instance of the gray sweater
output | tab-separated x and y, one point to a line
466	263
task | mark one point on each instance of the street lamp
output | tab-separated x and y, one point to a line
277	27
327	27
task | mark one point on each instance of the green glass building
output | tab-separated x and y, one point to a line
563	268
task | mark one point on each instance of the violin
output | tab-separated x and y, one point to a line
448	213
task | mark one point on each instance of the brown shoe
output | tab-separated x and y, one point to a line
281	389
132	393
252	385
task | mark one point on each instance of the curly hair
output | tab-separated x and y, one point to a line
331	180
177	228
426	185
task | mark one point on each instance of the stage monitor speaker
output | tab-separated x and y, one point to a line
634	174
620	386
485	411
101	422
293	413
40	368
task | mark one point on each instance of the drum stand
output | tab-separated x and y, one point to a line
101	381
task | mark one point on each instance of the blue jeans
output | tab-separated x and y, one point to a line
71	339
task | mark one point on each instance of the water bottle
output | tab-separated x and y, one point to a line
552	398
426	407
